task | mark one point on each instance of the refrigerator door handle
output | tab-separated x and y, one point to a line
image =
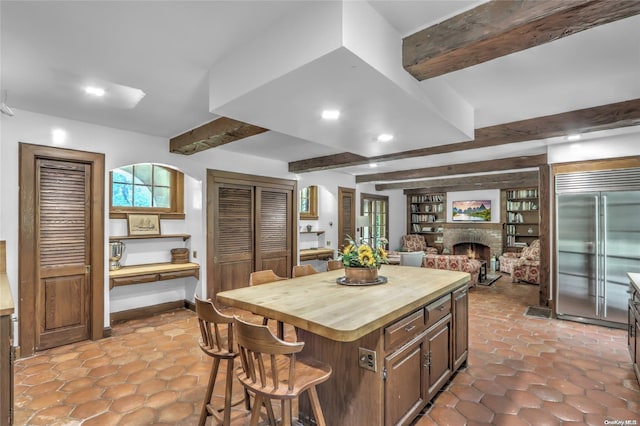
597	253
604	252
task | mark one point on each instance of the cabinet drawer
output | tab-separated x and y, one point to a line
176	274
403	330
138	279
437	310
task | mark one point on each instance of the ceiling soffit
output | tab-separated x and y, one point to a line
336	55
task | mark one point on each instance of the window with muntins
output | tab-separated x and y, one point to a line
375	208
146	187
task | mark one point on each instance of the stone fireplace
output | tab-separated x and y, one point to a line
481	240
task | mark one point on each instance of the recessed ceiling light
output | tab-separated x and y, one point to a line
575	137
330	114
95	91
373	165
385	137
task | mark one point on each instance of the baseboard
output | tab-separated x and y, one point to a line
148	311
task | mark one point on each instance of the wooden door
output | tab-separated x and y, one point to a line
62	229
233	254
61	267
273	230
346	215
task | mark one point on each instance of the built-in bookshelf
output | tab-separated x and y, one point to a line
522	216
427	214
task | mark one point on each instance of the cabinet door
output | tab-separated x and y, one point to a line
460	326
439	356
233	237
406	382
273	230
636	361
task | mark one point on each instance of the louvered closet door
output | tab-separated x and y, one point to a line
233	239
346	215
62	220
273	233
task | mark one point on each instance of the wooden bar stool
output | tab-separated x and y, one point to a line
302	270
264	277
270	369
217	334
333	265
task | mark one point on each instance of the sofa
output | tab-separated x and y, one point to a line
416	242
523	266
454	262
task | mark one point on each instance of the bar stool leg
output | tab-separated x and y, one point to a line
207	397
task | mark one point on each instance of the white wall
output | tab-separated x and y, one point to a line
327	183
600	145
122	148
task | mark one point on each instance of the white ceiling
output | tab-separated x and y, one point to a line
278	63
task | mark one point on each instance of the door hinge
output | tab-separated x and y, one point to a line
427	359
384	373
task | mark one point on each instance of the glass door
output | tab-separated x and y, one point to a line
577	250
621	250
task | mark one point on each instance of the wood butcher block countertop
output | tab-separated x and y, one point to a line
318	304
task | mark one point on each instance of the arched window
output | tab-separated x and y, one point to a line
146	188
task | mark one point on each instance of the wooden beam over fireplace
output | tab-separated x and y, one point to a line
467	183
501	164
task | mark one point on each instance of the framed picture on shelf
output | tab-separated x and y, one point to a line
143	224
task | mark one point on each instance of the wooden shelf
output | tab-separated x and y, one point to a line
152	272
312	232
184	237
319	254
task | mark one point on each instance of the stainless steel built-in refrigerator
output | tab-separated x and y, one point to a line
598	230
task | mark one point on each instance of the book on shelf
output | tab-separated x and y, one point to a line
522	205
522	193
431	198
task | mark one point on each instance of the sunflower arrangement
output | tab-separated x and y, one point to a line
362	255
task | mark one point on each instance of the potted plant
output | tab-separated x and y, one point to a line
361	261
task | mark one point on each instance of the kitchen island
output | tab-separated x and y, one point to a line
392	346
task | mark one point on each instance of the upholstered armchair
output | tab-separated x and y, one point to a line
454	262
416	242
527	267
507	260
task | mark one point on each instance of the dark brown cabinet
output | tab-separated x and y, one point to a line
250	227
461	323
415	371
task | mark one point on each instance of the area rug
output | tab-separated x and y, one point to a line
490	279
538	311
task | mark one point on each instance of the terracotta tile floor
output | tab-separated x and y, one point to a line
521	371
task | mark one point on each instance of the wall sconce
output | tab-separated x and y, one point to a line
361	222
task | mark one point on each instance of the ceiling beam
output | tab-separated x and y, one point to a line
458	169
467	183
215	133
603	117
498	28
